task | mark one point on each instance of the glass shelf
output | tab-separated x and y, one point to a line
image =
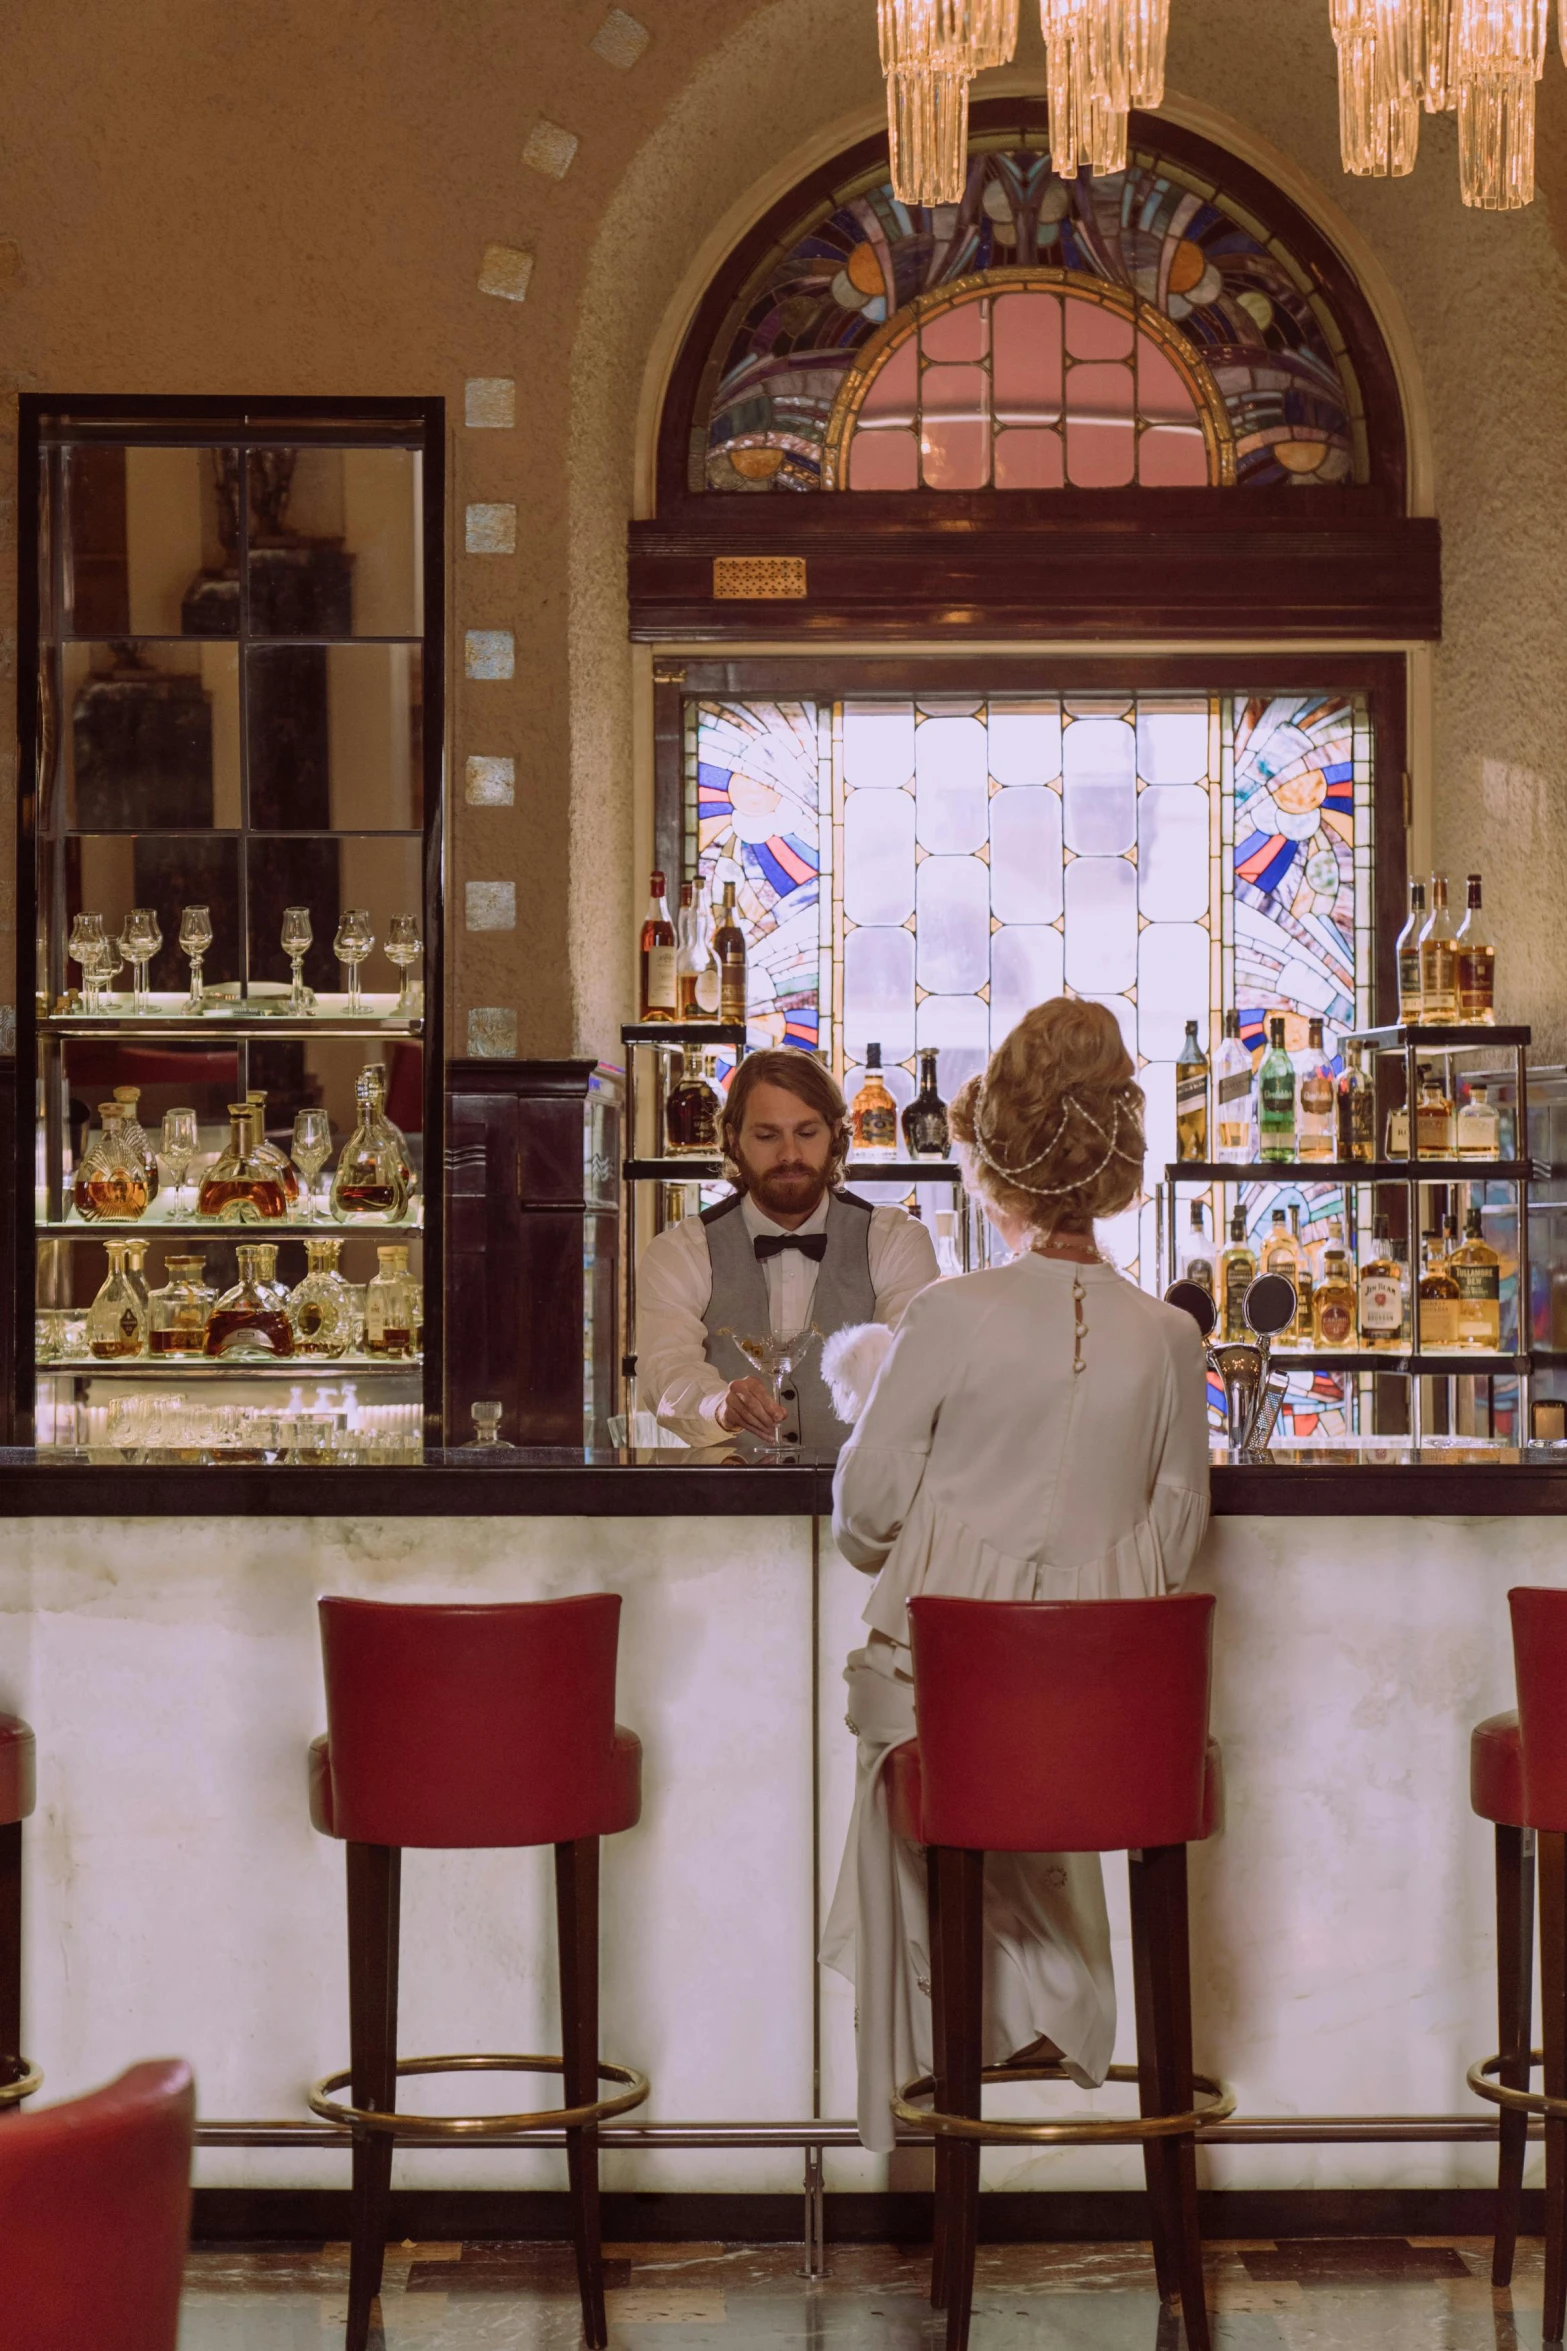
160	1224
1348	1171
171	1016
321	1368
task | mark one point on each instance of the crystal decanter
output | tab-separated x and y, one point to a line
117	1317
179	1312
111	1183
393	1308
242	1187
135	1133
266	1273
372	1181
323	1309
248	1320
269	1151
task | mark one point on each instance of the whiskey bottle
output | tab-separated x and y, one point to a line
1335	1297
1191	1097
110	1186
660	1000
392	1314
240	1187
247	1320
1315	1121
1237	1272
1300	1330
1381	1294
323	1310
1477	1269
1433	1117
1357	1109
1276	1100
696	974
693	1108
1234	1096
1477	1130
1476	965
116	1319
1198	1267
1410	999
1281	1254
1438	1298
370	1182
925	1131
873	1115
1438	961
177	1314
729	955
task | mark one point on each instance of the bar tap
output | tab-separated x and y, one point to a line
1253	1392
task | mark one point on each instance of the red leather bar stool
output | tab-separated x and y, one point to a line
447	1727
1061	1727
1518	1779
18	2079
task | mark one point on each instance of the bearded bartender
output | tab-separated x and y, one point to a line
789	1248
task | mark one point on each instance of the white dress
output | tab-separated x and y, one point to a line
986	1467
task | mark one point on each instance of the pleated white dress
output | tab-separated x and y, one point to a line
984	1466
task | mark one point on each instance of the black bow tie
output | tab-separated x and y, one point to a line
809	1245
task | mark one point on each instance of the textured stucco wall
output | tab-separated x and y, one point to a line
297	198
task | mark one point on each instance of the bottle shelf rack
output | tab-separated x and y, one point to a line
1350	1171
683	1032
165	1227
690	1169
163	1368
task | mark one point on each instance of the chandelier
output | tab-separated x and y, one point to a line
1478	59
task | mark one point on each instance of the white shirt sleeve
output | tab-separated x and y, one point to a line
674	1378
902	1259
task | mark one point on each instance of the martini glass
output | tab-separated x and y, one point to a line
771	1356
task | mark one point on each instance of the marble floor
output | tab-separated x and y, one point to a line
1325	2294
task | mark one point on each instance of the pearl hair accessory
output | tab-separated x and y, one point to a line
1069	1103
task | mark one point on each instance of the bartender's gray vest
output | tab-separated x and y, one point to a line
843	1296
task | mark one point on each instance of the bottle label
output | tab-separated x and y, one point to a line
661	979
1191	1089
1233	1089
707	991
877	1129
1481	1283
1381	1306
1316	1096
1198	1270
1439	1322
1409	983
1434	1123
1335	1318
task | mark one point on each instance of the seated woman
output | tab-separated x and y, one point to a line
1037	1432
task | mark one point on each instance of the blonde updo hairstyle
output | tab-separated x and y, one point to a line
1053	1131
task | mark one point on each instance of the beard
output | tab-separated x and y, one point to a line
794	1190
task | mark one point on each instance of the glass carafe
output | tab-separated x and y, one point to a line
372	1180
324	1310
179	1312
117	1318
266	1273
377	1076
248	1320
269	1151
135	1133
242	1187
393	1310
111	1183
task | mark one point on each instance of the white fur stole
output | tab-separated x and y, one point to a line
851	1360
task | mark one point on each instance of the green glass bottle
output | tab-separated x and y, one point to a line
1276	1099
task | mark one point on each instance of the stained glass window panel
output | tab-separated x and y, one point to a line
1025	855
1101	925
1099	765
952	771
952	926
1172	852
878	857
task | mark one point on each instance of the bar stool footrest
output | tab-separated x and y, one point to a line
477	2126
29	2079
1519	2101
1220	2103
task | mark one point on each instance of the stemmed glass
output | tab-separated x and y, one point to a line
771	1357
354	940
195	939
87	938
312	1149
181	1142
297	937
404	948
139	943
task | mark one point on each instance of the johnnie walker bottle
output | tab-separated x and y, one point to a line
925	1131
1476	965
1237	1272
117	1318
1276	1100
392	1315
247	1320
1438	961
1191	1097
110	1185
873	1115
370	1184
1410	999
178	1313
1234	1096
241	1186
660	1000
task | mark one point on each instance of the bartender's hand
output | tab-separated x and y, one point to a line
747	1405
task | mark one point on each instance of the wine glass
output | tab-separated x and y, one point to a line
87	936
181	1142
404	948
312	1149
354	940
108	963
195	939
297	938
139	943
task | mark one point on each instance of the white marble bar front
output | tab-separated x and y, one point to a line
179	1902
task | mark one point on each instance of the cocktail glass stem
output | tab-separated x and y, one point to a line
139	987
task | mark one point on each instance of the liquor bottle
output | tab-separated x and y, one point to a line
240	1187
1410	1000
269	1151
1191	1097
1234	1096
116	1319
1433	1117
693	1107
1357	1109
136	1134
247	1320
1381	1314
1477	1269
1438	1298
266	1274
1438	961
729	955
375	1078
1237	1272
1315	1123
873	1115
696	974
136	1268
1476	965
660	1000
1281	1254
925	1131
370	1182
110	1186
1300	1330
392	1314
323	1310
177	1314
1477	1130
1276	1100
1335	1296
1198	1267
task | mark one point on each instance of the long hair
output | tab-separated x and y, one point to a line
800	1074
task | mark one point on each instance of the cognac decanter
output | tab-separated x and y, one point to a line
241	1186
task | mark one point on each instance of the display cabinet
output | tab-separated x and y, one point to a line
230	652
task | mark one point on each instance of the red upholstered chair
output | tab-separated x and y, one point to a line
470	1727
18	2079
1518	1780
96	2202
1061	1727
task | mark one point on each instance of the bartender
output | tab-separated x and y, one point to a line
789	1249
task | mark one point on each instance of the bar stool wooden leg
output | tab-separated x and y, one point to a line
962	1925
1551	1847
10	1955
1163	1872
1515	2021
1156	2169
943	2087
374	1889
577	1928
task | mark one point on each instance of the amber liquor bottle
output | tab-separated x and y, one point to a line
729	954
1476	961
1477	1269
660	992
1438	961
1237	1272
1357	1106
241	1187
1191	1098
694	1108
873	1114
1410	999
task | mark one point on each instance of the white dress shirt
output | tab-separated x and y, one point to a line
675	1282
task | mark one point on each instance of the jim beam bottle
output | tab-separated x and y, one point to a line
1237	1272
1476	965
1410	999
729	954
1381	1294
1477	1269
873	1114
1234	1096
660	997
1438	961
1357	1109
1191	1098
